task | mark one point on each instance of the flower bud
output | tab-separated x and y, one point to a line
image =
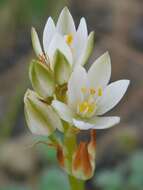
62	68
83	164
42	79
41	118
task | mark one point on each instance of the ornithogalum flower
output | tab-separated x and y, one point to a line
75	45
69	98
89	96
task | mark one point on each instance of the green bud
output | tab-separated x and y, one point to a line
41	118
42	79
62	68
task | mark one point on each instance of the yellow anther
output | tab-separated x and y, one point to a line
92	91
84	90
86	107
91	108
83	106
100	92
69	39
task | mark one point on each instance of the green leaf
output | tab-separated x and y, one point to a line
42	79
62	68
53	179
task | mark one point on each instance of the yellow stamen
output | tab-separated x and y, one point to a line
86	107
100	92
69	39
92	91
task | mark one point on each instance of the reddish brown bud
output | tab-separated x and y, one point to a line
83	164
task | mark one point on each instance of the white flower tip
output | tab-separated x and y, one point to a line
117	120
106	56
50	20
83	20
66	10
126	83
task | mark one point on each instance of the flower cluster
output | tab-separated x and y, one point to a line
66	97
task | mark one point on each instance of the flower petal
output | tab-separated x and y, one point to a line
36	43
63	110
40	117
96	123
77	81
100	72
48	33
88	49
58	43
112	94
80	41
65	24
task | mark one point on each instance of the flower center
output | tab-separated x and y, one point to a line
69	39
87	107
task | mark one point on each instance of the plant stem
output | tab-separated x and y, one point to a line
76	184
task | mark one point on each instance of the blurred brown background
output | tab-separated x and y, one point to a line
118	26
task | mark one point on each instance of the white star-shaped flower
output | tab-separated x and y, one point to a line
89	96
76	45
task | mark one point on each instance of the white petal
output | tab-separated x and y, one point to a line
82	28
88	49
96	123
112	94
63	110
77	81
100	72
48	33
36	43
80	41
65	24
58	43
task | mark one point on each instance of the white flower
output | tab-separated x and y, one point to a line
76	45
90	96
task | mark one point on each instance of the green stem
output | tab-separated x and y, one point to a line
70	143
76	184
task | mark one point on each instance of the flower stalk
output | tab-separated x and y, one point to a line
76	184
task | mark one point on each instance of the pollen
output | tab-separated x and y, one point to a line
69	39
86	107
100	92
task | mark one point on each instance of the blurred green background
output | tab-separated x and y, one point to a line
119	29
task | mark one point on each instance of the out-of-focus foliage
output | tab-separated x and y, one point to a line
118	26
15	188
53	179
129	175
